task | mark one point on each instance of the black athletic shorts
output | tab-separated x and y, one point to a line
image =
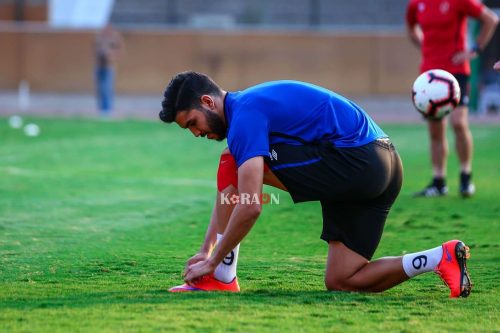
356	187
463	82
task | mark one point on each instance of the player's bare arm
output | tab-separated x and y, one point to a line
489	22
208	243
415	34
271	180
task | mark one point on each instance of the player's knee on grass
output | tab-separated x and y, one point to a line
336	284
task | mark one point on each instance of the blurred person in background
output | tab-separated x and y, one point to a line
489	99
108	47
439	29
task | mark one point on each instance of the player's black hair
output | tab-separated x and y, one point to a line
184	92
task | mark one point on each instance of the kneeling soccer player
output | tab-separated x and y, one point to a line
318	146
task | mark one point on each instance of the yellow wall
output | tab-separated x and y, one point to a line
347	63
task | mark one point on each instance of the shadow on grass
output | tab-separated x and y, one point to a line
256	297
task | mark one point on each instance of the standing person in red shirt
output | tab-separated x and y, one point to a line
439	29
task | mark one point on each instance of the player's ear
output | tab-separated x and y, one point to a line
208	101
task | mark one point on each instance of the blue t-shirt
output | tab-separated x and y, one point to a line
293	112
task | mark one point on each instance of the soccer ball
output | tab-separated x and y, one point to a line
435	93
31	130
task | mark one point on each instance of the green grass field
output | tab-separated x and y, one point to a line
98	218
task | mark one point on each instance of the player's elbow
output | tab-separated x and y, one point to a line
490	18
255	210
496	20
252	211
493	21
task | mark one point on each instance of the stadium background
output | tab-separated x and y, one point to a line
358	48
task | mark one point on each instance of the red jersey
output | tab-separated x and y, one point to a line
444	26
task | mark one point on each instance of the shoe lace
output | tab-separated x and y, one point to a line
206	277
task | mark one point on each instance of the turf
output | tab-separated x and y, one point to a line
98	218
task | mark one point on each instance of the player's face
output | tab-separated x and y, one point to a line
203	122
215	124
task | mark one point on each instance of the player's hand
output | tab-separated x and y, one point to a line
200	256
196	271
463	56
496	66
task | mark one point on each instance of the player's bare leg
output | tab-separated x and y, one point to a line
439	157
347	270
224	277
439	147
226	270
464	147
463	141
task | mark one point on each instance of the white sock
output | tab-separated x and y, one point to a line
422	262
226	270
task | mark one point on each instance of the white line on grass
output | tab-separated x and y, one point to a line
193	182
